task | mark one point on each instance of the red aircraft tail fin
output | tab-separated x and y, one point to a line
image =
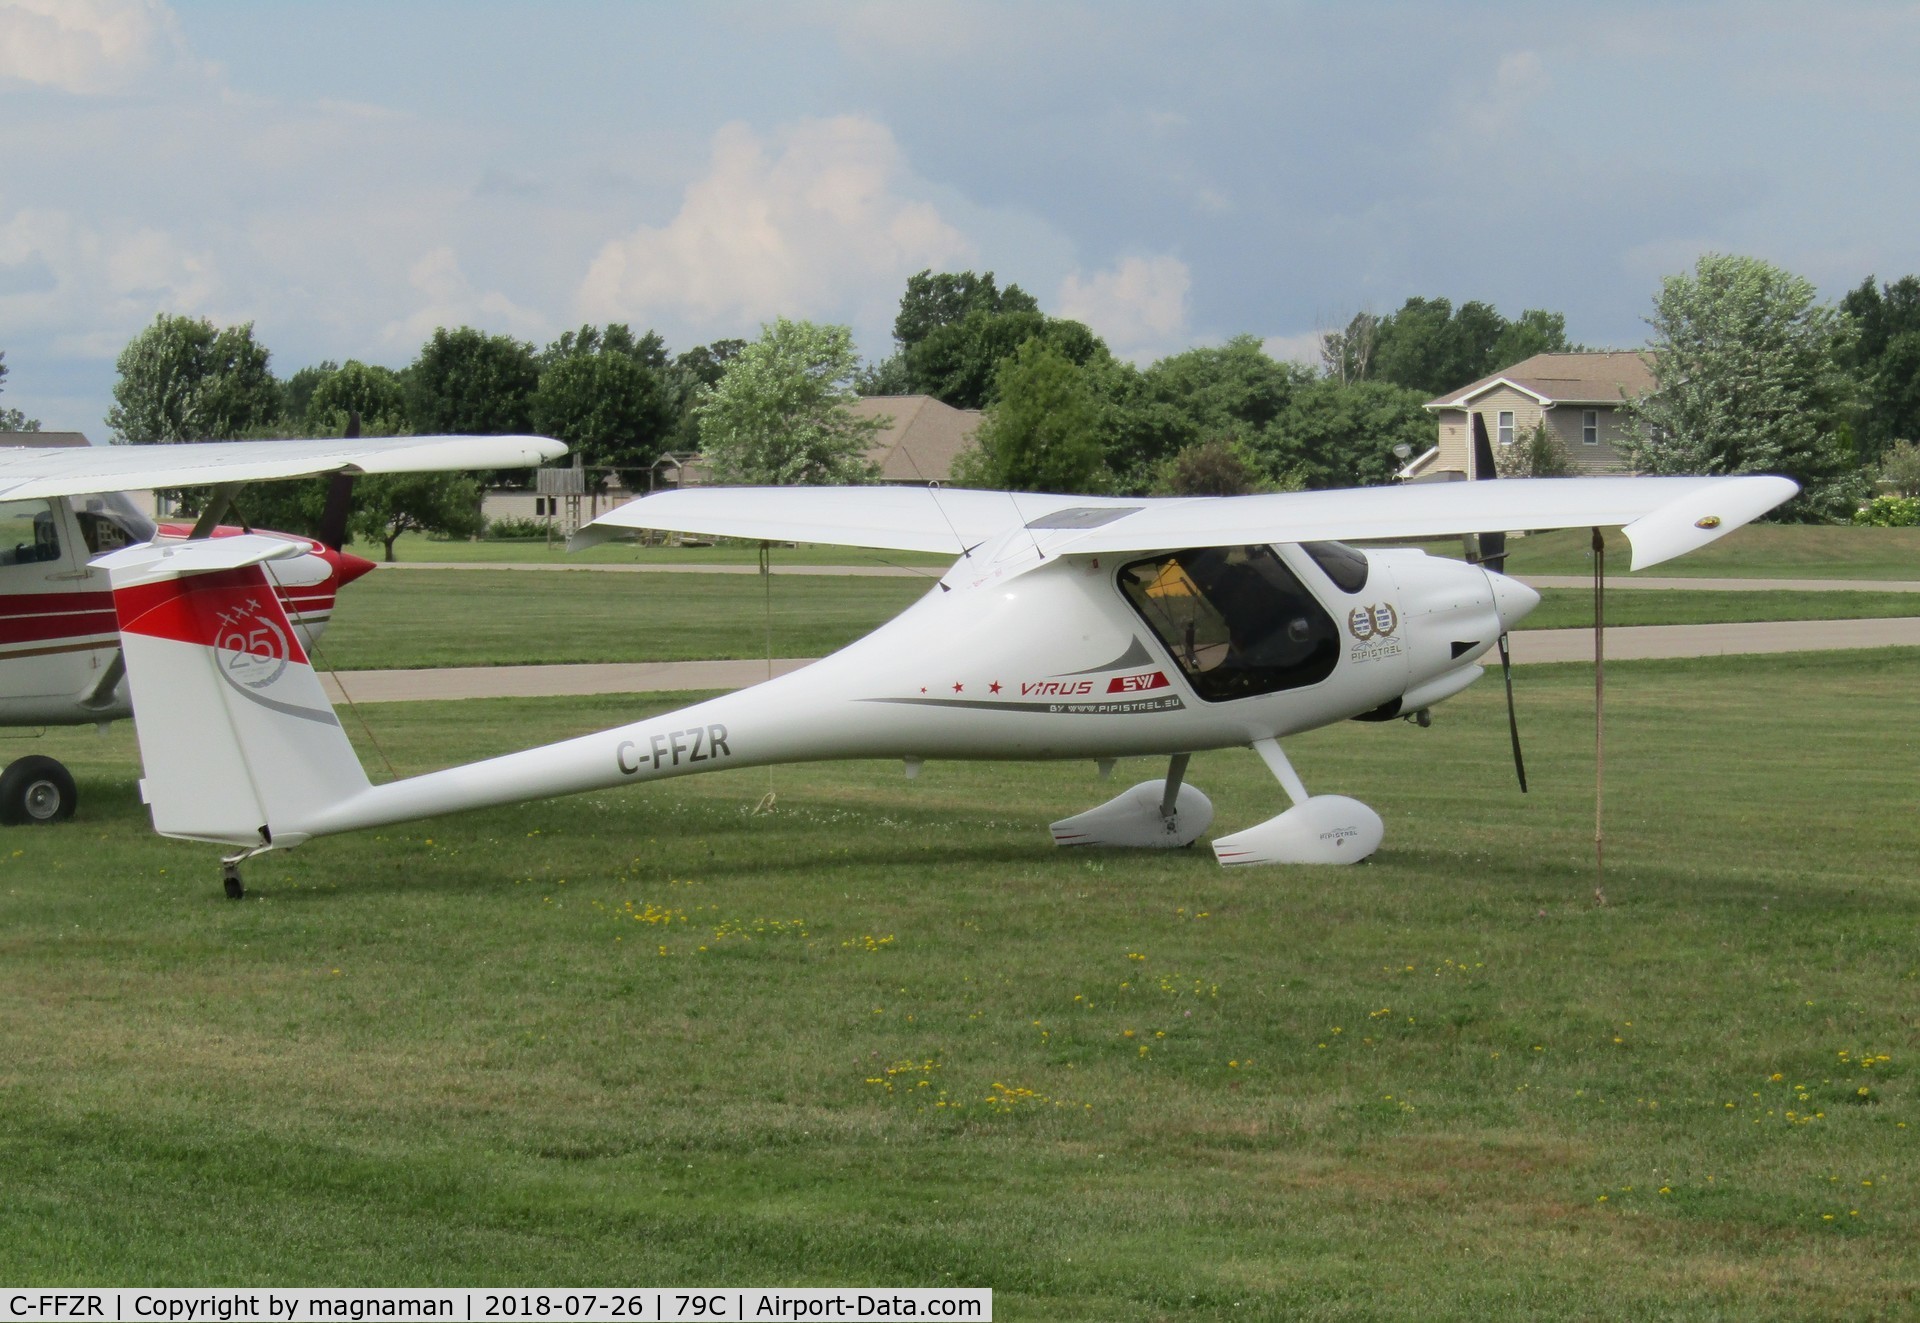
237	738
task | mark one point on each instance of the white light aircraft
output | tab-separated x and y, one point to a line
60	659
1067	627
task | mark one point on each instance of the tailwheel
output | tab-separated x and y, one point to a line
230	875
36	789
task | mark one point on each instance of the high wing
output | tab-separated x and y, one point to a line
940	519
1662	517
29	472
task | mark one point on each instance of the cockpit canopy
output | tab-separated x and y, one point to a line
1236	620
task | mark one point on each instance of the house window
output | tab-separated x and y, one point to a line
1506	427
1590	427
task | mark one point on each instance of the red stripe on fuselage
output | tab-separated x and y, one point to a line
205	608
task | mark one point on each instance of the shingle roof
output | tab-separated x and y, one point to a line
922	439
1601	378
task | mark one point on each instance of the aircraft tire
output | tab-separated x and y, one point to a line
36	789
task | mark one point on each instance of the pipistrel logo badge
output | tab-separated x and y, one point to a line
1372	627
253	647
1375	620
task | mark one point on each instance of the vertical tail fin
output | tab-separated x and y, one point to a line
237	738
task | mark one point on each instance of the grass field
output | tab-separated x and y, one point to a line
886	1034
514	617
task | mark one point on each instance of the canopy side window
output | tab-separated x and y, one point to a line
1341	563
1236	620
29	533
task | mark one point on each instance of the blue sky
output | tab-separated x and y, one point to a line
348	176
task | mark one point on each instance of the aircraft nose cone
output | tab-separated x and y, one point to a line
1511	599
347	567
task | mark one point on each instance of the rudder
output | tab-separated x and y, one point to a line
237	739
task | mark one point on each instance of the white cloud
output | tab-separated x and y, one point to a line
1139	307
450	299
96	286
1303	348
87	46
820	220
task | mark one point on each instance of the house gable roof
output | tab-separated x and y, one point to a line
922	438
1599	378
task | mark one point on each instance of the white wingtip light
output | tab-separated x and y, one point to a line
1692	521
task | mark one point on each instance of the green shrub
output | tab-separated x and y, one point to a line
508	530
1890	512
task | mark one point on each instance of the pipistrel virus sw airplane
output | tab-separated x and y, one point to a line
1068	627
62	507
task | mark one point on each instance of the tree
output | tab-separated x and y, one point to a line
781	413
649	350
1746	381
1043	433
609	407
468	382
1537	454
1430	346
1331	435
374	395
1900	468
1883	356
183	380
1347	355
1230	391
296	392
389	504
12	420
932	301
958	362
1214	467
697	370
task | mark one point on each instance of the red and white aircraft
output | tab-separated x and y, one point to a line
63	507
1067	627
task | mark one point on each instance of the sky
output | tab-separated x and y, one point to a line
349	176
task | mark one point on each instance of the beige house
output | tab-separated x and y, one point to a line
921	440
1578	396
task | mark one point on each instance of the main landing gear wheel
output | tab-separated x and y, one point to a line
230	875
36	789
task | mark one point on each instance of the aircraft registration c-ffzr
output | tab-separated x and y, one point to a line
1068	627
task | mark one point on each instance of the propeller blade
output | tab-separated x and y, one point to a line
1513	720
339	507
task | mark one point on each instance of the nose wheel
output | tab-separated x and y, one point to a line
230	877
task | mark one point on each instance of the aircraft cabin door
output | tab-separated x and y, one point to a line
56	623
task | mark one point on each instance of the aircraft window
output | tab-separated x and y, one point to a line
1236	620
1339	562
29	534
110	521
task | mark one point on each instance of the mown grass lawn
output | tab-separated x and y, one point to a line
887	1034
